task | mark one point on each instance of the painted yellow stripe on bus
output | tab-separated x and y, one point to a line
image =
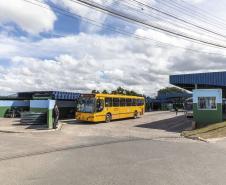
115	114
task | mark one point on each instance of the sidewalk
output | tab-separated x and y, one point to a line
13	125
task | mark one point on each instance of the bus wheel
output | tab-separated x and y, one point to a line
135	116
108	118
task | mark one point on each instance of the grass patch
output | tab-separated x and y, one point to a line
211	131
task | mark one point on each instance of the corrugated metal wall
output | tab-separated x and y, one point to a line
214	79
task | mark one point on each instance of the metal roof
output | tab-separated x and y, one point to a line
203	80
55	95
173	95
169	97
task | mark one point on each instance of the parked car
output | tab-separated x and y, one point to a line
189	114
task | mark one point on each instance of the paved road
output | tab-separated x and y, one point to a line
152	125
129	163
148	150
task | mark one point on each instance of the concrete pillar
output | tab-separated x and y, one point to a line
193	125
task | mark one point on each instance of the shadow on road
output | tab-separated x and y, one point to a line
29	126
76	122
176	124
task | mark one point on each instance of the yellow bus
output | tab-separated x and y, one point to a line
107	107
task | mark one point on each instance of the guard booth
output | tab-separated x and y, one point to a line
207	106
209	93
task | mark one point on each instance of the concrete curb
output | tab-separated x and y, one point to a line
33	131
214	140
197	138
60	125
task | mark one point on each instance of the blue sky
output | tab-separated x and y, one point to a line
41	49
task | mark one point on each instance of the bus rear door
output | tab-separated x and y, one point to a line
116	108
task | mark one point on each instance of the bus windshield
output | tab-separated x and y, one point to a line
86	104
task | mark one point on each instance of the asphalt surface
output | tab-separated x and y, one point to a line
127	162
148	150
152	125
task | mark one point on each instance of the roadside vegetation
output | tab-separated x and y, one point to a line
169	90
217	130
119	90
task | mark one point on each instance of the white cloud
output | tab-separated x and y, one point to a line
85	62
89	61
194	1
30	18
86	12
80	63
97	17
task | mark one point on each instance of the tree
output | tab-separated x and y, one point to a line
105	91
119	90
95	91
113	92
171	90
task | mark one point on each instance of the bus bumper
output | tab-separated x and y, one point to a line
85	117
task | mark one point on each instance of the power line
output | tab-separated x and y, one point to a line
187	10
197	13
197	20
141	22
59	9
169	21
182	20
157	43
201	11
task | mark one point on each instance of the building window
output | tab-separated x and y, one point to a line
207	103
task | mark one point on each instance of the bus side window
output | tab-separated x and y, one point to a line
142	102
115	102
134	102
139	102
108	102
128	102
122	102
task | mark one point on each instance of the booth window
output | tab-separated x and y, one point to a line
207	103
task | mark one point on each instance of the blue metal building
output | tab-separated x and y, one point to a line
200	80
205	86
66	101
54	95
167	101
